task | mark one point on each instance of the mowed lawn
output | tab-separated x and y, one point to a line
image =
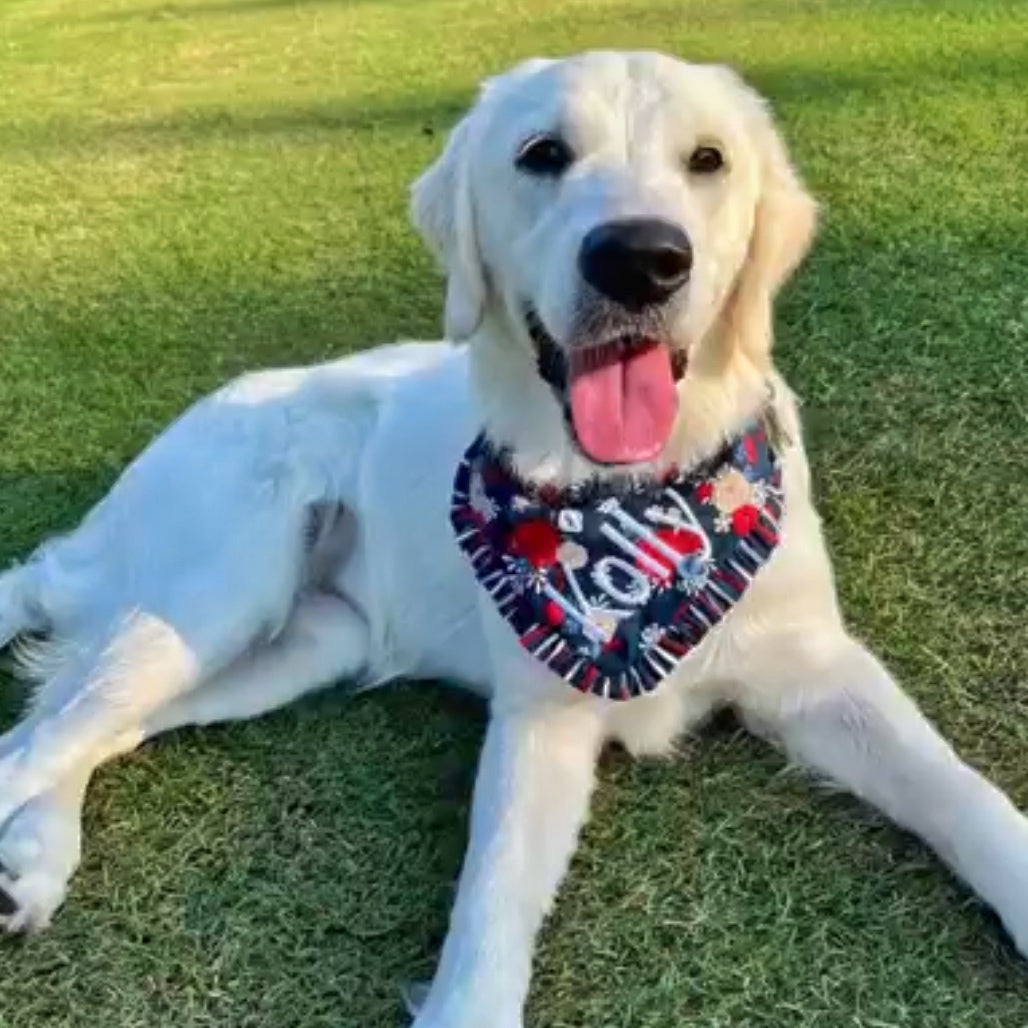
191	189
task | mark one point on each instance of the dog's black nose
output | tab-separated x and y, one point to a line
636	262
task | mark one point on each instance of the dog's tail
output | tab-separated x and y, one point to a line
18	609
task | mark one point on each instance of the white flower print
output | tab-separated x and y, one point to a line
522	576
693	573
652	635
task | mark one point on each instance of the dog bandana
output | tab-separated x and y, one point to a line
611	589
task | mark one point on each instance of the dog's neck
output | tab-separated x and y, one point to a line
520	413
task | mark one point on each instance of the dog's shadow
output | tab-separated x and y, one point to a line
299	869
313	853
316	848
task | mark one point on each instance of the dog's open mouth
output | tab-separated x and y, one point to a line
620	393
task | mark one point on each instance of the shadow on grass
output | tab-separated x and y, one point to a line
324	837
827	85
788	85
185	11
217	124
700	15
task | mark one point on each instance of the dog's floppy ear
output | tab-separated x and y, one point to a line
443	213
783	228
442	209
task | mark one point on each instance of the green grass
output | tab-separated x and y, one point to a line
212	186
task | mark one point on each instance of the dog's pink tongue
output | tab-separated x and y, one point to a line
623	403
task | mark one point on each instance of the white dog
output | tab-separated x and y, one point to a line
596	513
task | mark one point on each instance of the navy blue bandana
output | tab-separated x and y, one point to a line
610	589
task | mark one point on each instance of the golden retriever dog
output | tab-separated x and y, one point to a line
591	505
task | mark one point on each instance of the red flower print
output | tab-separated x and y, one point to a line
749	448
552	613
744	519
680	540
704	491
536	541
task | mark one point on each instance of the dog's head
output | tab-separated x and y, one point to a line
613	228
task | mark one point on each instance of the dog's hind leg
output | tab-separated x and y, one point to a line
160	624
325	640
94	697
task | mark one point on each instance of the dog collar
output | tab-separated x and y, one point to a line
611	587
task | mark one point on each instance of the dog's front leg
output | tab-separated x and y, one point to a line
837	710
531	797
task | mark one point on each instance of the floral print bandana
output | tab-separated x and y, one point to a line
612	587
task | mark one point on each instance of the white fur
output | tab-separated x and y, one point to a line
292	530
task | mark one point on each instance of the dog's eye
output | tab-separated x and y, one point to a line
705	160
544	155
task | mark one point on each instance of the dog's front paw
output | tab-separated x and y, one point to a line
1014	916
474	1019
994	859
454	1012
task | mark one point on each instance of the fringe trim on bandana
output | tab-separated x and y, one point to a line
612	588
